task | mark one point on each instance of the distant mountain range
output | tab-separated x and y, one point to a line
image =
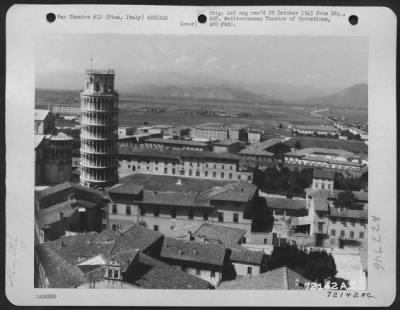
354	96
178	85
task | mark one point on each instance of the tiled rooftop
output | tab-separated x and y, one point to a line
173	199
278	279
127	189
220	234
239	192
154	274
83	257
62	192
165	183
194	252
246	256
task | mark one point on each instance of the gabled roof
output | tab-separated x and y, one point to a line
194	252
246	256
62	192
221	234
278	279
137	237
127	189
154	274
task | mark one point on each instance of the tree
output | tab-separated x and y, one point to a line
262	219
314	265
347	200
297	145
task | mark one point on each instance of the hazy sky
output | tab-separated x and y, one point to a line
309	60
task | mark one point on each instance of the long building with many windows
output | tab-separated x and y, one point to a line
211	165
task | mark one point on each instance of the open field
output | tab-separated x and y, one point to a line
347	115
358	147
138	111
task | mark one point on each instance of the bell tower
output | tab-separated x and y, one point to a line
99	130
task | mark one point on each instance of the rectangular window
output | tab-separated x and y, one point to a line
243	240
235	217
220	217
342	234
114	209
206	174
142	211
214	174
110	272
333	232
212	274
265	240
198	271
223	167
222	175
116	274
351	234
104	226
249	271
165	170
128	210
190	214
155	228
230	176
173	214
361	235
114	227
173	170
205	215
156	212
320	226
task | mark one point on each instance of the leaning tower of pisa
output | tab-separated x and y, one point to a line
99	130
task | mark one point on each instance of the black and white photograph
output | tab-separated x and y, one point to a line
178	162
239	165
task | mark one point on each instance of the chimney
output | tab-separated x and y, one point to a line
195	252
179	252
61	244
179	182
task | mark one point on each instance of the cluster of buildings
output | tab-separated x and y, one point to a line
330	159
185	212
53	150
338	130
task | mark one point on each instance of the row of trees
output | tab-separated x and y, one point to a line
283	180
313	265
293	182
